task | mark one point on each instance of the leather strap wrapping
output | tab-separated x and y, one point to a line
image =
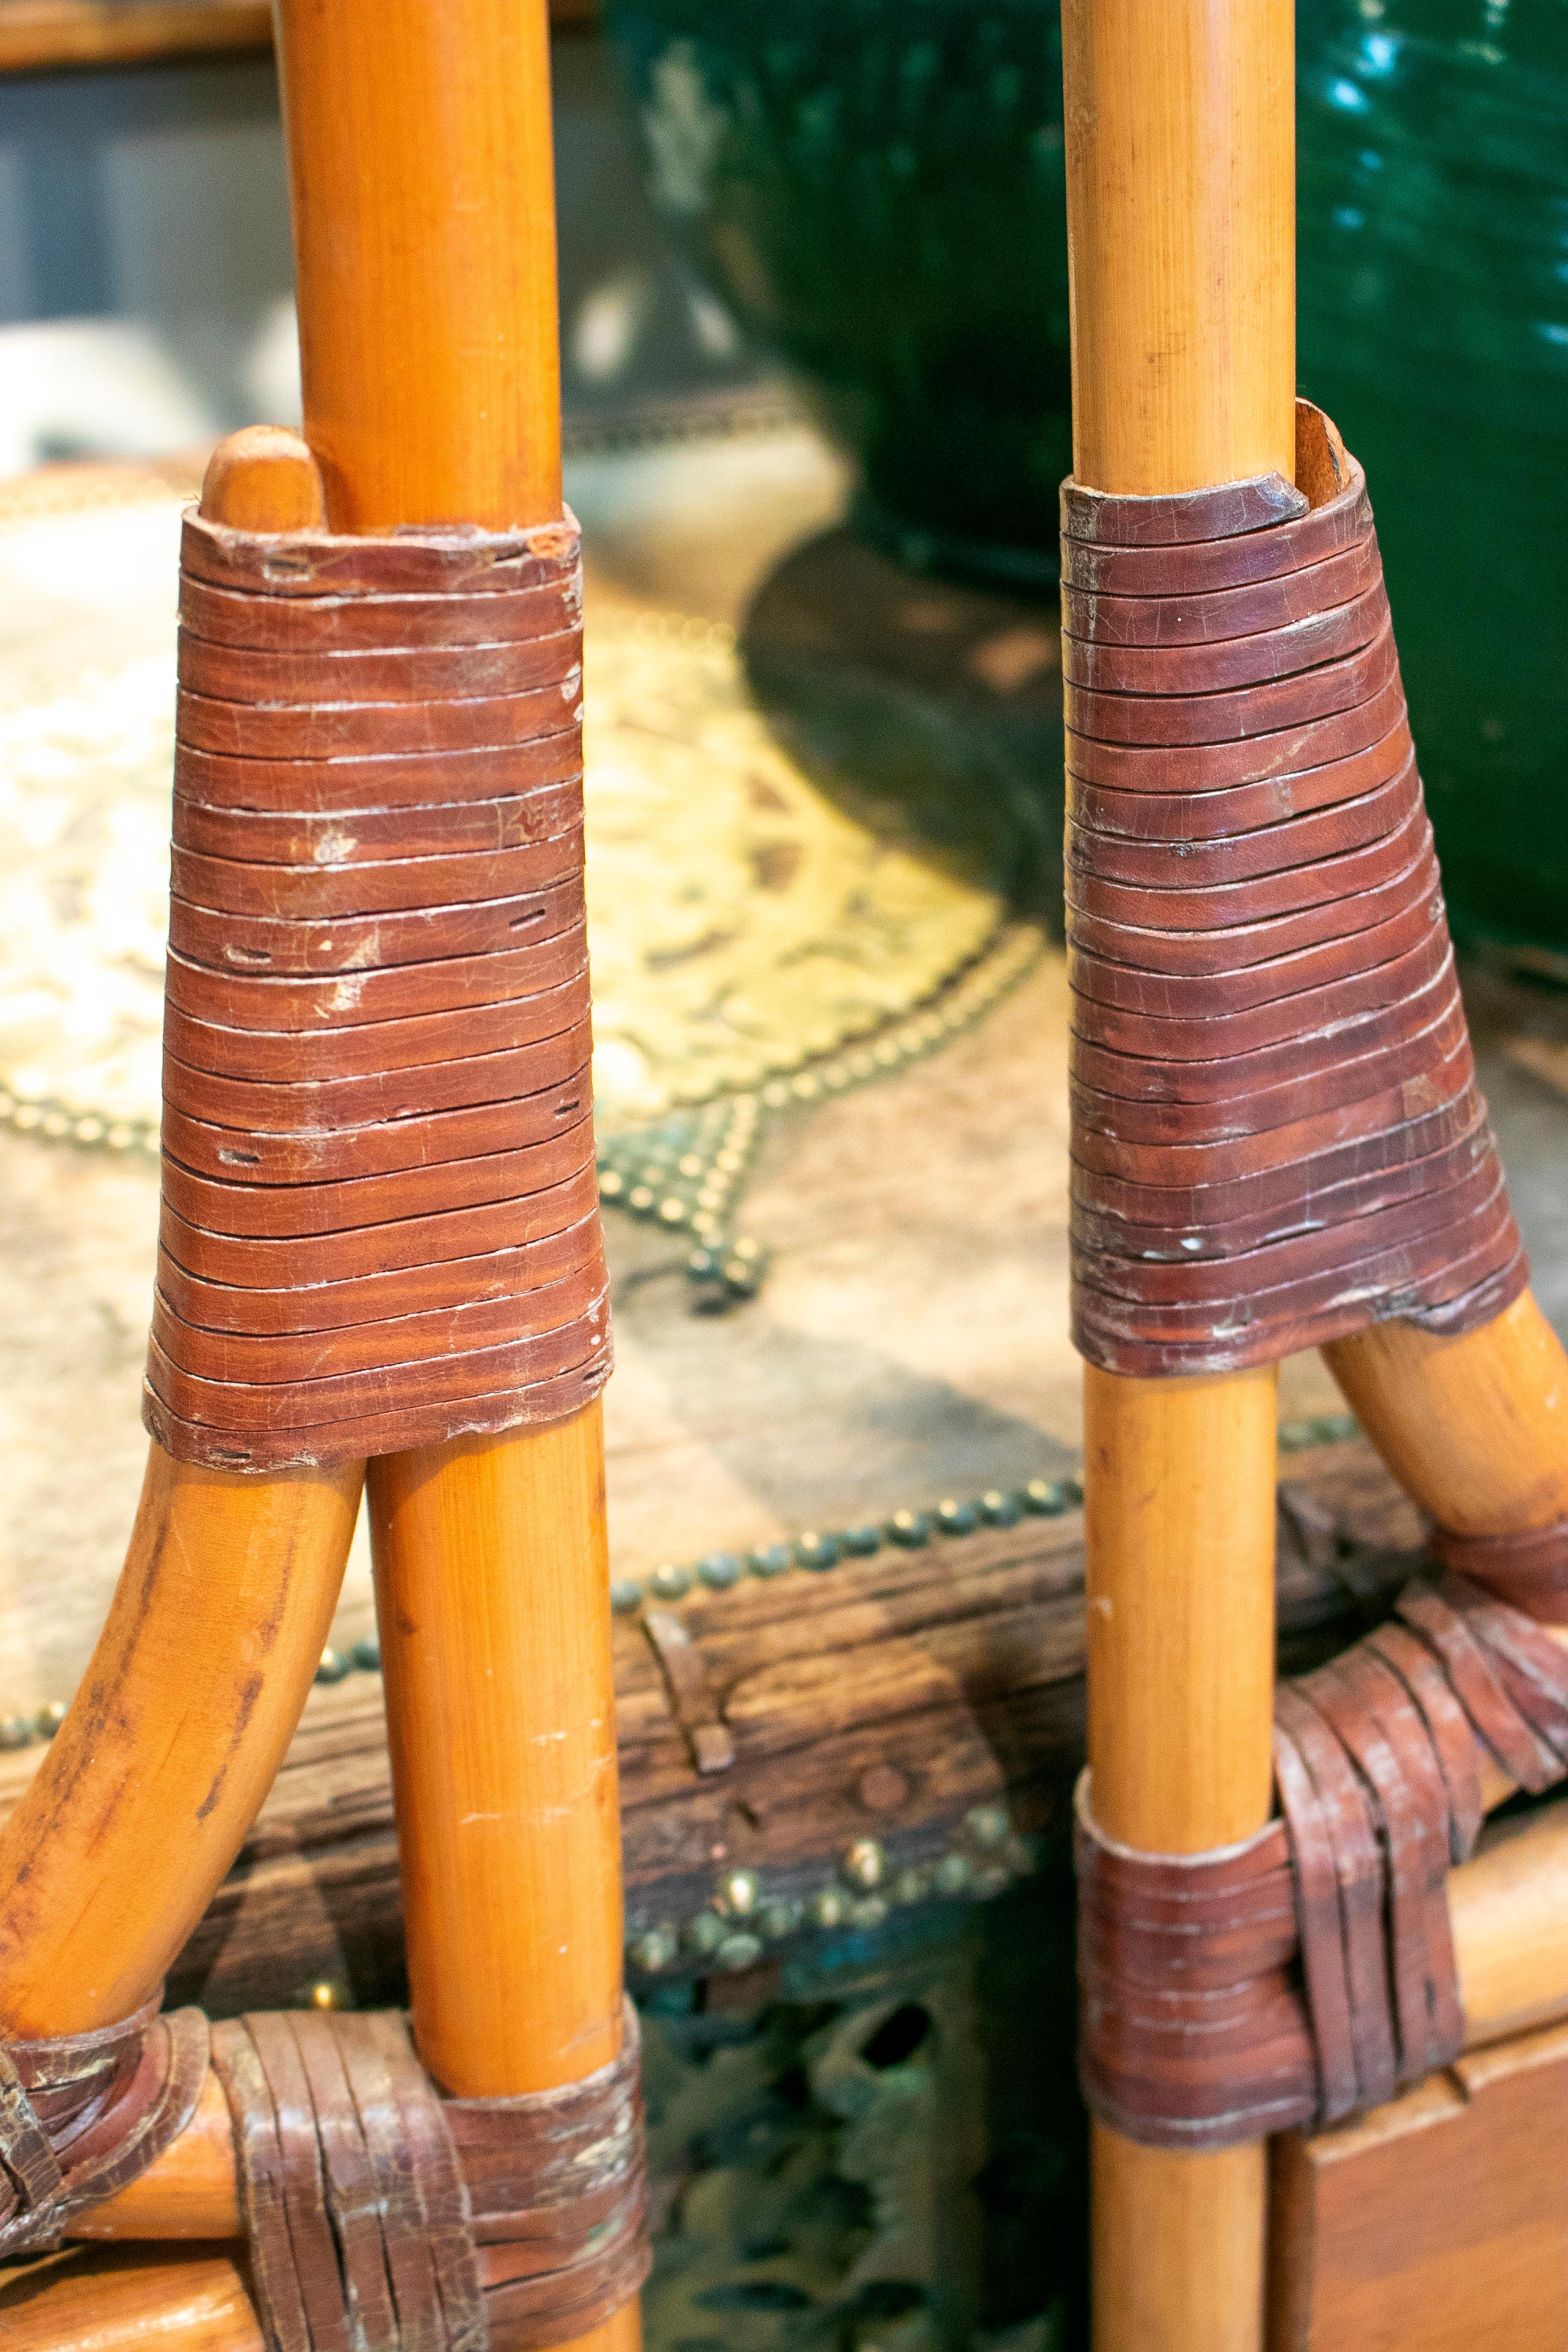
1309	1973
380	1224
1276	1133
83	2114
1529	1570
384	2218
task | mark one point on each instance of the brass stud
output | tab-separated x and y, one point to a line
864	1864
654	1952
738	1891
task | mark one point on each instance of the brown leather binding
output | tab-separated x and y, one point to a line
1529	1570
1277	1134
383	2216
83	2114
1309	1973
380	1227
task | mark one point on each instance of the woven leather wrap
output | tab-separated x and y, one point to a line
83	2114
1276	1133
380	1223
1309	1973
384	2218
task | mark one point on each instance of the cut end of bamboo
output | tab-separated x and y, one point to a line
264	479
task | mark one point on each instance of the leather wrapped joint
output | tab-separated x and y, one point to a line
1308	1974
381	2215
1278	1137
83	2114
379	1220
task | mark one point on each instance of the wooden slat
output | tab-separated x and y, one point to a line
1440	2224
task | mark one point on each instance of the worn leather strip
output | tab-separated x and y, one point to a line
549	869
1152	922
391	1415
83	2115
1225	832
377	999
1241	612
1263	988
324	677
1529	1570
364	621
360	837
386	2218
1204	2024
281	1005
385	780
256	944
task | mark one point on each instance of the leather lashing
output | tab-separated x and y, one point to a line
380	1222
1530	1568
382	2217
1309	1973
83	2114
1276	1133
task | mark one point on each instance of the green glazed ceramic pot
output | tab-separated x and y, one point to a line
1434	327
875	188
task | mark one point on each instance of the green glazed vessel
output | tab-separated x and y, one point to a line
876	189
1434	327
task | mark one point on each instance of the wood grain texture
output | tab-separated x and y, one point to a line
1180	130
1439	2223
419	145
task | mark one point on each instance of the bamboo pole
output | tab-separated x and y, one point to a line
1181	231
500	1715
1475	1428
1179	1524
191	1695
420	155
210	1647
131	2303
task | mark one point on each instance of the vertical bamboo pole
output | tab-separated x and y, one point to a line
1181	224
420	153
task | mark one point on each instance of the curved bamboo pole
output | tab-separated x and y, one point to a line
192	1693
211	1644
420	152
1475	1428
1181	230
